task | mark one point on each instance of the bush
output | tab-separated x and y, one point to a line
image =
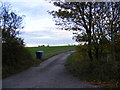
99	70
15	58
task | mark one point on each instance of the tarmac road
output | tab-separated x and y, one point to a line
49	74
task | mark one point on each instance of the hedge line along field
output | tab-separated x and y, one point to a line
50	51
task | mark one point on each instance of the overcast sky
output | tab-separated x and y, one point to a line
39	26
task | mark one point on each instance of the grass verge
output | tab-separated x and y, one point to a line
95	72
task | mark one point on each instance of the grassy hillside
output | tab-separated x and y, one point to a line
50	51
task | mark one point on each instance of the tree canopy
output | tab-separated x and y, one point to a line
10	24
94	22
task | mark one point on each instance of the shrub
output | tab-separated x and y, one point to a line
99	70
15	58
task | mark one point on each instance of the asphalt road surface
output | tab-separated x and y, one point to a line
49	74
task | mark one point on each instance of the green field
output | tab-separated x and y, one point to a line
50	51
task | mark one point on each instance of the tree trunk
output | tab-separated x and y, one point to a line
89	46
89	32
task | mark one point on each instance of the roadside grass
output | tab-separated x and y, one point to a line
95	72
